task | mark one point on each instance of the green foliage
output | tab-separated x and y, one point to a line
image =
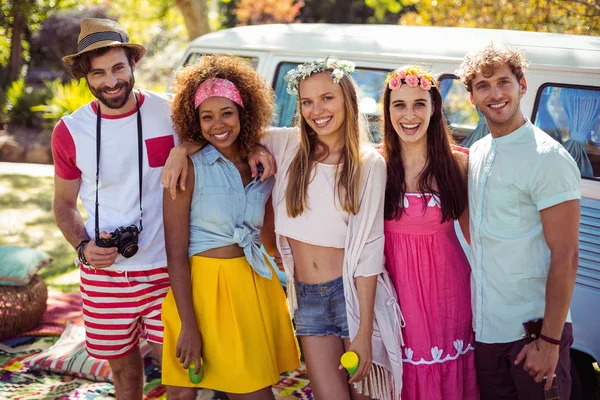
149	22
34	11
382	7
19	102
64	100
580	17
55	38
4	46
227	16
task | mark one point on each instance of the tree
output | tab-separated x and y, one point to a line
251	12
326	11
227	15
559	16
56	38
195	15
337	11
18	20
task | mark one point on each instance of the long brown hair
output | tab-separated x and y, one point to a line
311	148
441	176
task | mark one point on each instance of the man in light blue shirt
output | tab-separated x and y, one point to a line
524	219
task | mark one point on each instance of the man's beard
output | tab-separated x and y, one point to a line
116	102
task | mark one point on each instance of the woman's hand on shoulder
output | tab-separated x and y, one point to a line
261	155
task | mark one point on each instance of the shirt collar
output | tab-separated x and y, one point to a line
211	154
515	135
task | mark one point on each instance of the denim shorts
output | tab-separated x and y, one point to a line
321	309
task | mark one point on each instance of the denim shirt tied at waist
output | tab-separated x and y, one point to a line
224	212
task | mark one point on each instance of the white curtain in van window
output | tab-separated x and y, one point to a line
544	118
583	110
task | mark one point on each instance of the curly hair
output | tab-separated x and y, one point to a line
487	60
256	94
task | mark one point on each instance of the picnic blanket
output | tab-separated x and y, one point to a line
19	381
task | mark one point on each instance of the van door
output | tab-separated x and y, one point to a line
571	115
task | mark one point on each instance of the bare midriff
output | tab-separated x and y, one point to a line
316	264
230	251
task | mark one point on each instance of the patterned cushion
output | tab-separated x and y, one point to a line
68	356
20	264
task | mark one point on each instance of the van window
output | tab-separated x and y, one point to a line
571	115
370	82
193	58
466	122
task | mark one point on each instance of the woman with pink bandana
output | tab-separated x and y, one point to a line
226	309
426	192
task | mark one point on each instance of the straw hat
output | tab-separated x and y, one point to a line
97	33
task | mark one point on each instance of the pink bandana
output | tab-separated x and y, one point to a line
217	87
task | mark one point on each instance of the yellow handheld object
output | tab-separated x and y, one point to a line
195	378
349	361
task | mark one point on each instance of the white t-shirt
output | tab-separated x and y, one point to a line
74	151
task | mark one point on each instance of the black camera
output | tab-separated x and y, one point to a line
125	239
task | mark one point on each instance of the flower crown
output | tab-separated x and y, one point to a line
338	69
412	76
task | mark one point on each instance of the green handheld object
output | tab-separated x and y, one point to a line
349	361
195	378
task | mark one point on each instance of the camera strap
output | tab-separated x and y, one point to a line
98	141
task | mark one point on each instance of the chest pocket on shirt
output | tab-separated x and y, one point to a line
257	208
158	150
216	205
504	208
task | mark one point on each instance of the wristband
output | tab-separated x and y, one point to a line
80	253
549	340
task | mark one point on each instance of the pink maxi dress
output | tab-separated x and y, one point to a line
432	277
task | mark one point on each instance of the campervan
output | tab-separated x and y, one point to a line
563	99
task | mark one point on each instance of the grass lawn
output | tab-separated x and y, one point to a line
26	219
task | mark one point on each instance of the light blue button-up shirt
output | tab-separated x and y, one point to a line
224	212
511	179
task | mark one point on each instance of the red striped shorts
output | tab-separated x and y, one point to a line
118	306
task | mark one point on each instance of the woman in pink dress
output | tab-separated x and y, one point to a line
426	192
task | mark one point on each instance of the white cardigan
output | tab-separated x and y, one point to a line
363	257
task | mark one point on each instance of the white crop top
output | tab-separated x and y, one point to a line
324	222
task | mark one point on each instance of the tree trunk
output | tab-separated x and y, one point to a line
15	60
195	15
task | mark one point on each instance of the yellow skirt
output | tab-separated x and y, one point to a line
247	334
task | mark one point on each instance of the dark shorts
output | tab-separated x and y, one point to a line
499	378
321	309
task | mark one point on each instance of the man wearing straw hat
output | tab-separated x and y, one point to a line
111	153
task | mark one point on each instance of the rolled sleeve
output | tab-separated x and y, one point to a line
556	180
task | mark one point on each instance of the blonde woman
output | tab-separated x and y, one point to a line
328	202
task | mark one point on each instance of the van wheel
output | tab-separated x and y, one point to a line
584	377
